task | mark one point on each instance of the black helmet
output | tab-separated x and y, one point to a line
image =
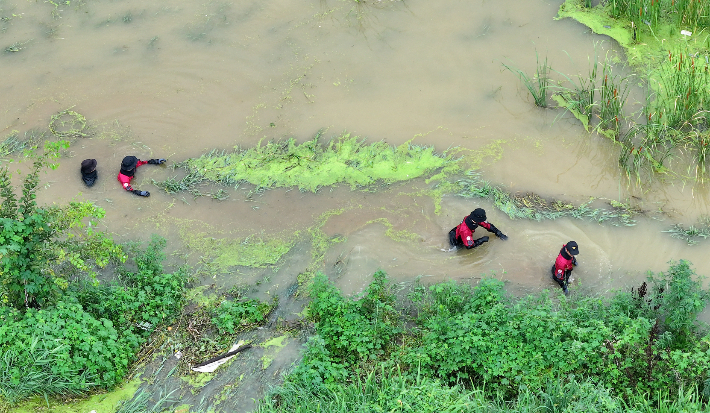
478	215
88	166
129	162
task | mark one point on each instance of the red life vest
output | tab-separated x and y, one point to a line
563	264
466	234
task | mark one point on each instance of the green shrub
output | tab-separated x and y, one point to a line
148	295
355	330
41	249
234	316
84	351
91	336
634	342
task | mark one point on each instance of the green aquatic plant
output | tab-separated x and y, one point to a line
673	55
13	143
682	95
534	207
693	233
613	92
312	165
538	84
320	243
68	124
580	98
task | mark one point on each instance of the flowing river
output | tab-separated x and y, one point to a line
178	79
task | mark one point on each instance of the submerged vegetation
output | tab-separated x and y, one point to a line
535	207
310	165
480	349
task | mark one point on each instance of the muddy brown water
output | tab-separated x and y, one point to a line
176	80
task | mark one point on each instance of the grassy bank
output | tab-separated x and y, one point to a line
452	347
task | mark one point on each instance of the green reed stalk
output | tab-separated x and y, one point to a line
614	91
538	85
691	14
683	93
701	153
579	99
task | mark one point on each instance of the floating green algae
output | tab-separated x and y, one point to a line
100	403
68	124
652	40
399	236
694	233
320	243
221	250
312	165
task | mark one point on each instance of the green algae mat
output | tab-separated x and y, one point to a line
312	165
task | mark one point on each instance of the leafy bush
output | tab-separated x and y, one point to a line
83	351
390	390
92	334
25	373
355	330
147	297
42	248
632	343
234	316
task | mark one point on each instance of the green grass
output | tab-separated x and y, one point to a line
537	85
37	378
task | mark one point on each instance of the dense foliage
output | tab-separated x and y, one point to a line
61	331
232	316
632	343
392	391
634	346
352	333
41	249
90	336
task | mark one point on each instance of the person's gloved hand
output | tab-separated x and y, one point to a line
157	161
574	261
141	193
480	241
501	235
161	161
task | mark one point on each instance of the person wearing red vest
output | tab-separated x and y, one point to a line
565	262
462	235
128	169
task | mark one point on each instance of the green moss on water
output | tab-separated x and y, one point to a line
399	236
651	45
320	243
200	296
312	165
101	403
465	159
198	380
275	342
220	250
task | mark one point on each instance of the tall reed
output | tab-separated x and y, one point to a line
579	99
614	91
692	14
683	96
539	84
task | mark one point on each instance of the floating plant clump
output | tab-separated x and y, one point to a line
312	165
533	206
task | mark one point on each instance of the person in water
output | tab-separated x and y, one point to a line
128	169
462	235
88	172
565	262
